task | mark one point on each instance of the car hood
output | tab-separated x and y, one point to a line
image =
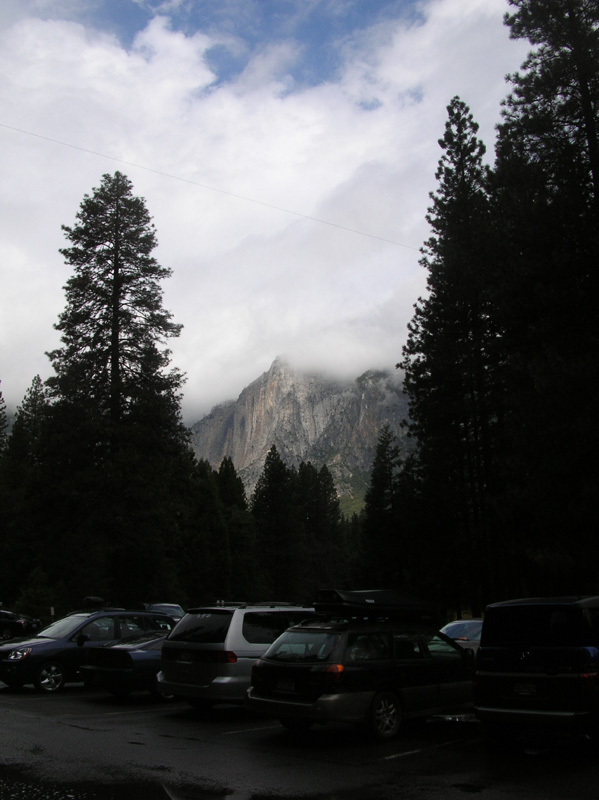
34	641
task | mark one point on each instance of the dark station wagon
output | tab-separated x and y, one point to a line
373	665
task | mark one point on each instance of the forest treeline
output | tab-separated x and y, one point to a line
100	492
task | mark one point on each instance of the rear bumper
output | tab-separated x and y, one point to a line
230	689
575	720
348	707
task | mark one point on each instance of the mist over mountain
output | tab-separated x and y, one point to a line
308	417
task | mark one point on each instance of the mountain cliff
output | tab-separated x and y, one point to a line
308	417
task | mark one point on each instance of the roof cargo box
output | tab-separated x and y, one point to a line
376	603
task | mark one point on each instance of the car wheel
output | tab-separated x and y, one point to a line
5	633
159	693
295	725
384	719
50	677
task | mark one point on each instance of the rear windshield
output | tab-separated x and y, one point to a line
539	626
207	627
303	646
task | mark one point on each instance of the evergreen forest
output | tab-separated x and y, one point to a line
100	493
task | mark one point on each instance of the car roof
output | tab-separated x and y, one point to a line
338	625
580	601
252	606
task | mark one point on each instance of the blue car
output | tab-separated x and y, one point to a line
57	653
127	666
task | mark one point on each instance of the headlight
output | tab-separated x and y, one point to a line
19	655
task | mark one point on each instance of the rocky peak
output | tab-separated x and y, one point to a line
308	417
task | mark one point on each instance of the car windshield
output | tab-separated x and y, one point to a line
303	646
63	627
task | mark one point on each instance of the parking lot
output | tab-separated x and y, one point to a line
82	743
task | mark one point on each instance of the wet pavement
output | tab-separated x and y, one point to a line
14	785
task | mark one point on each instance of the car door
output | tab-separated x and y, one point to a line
98	631
413	673
451	668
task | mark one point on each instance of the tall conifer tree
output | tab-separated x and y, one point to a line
118	455
546	194
449	358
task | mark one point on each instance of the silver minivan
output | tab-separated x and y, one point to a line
207	658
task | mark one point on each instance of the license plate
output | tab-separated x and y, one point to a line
185	657
286	686
525	689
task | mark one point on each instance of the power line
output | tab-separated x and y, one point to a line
209	188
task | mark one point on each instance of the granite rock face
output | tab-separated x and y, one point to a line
308	417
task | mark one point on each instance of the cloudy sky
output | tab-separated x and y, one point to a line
285	150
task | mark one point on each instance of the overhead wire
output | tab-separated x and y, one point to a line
207	187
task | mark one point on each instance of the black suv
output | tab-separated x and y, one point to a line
538	664
56	654
371	659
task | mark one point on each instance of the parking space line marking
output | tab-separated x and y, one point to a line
250	730
424	749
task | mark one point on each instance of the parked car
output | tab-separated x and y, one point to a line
465	632
208	657
373	667
538	664
173	610
14	626
126	666
55	655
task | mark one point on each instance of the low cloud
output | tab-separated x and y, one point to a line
291	215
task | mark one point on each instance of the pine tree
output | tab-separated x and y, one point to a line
23	485
3	422
245	562
381	525
450	355
279	532
546	204
117	454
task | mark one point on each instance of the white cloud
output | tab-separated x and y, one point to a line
251	280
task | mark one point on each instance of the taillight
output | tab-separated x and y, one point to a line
335	669
225	657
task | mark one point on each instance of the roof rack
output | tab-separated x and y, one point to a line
375	603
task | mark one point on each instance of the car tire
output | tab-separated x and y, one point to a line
5	634
385	717
50	677
295	725
161	694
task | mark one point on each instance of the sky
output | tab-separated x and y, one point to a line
285	149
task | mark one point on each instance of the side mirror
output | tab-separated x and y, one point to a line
81	639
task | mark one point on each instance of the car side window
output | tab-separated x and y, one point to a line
131	626
368	647
99	630
155	623
439	648
406	646
263	627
